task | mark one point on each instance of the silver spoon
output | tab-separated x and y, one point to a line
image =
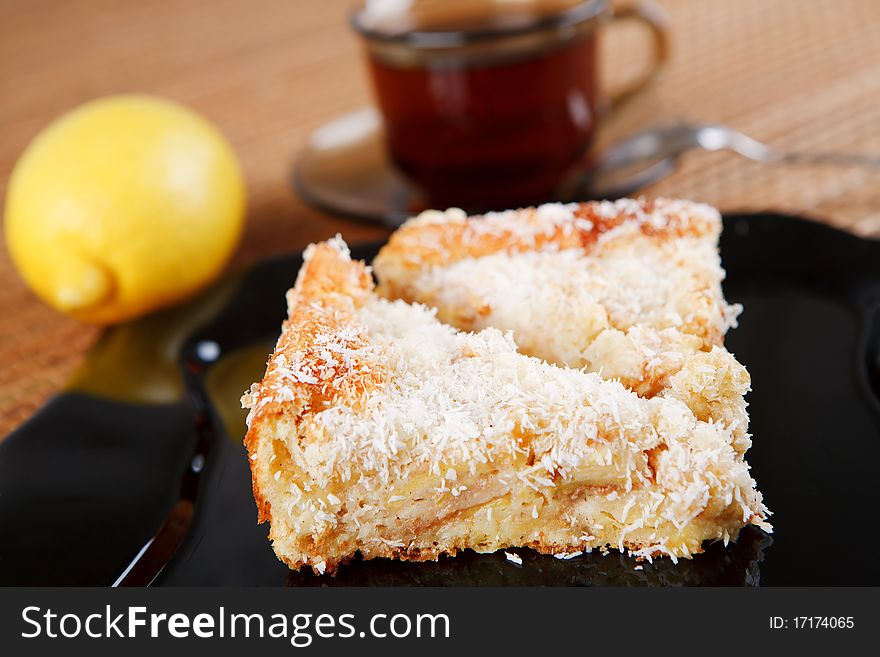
648	156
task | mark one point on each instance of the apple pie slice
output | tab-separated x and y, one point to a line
629	289
379	429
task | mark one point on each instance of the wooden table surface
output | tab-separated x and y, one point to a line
797	74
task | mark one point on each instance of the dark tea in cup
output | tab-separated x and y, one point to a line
486	104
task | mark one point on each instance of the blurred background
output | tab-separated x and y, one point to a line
800	75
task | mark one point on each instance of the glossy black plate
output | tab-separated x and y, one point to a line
135	474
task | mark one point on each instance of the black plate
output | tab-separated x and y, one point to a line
135	474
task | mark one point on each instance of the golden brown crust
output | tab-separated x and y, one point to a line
320	304
428	242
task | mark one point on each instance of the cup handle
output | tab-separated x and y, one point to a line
656	20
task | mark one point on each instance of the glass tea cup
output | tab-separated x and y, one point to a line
490	103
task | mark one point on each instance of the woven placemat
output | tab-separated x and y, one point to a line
798	75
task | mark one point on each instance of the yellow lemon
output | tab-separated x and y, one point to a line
123	205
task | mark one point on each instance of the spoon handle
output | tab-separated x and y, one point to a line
842	159
646	157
